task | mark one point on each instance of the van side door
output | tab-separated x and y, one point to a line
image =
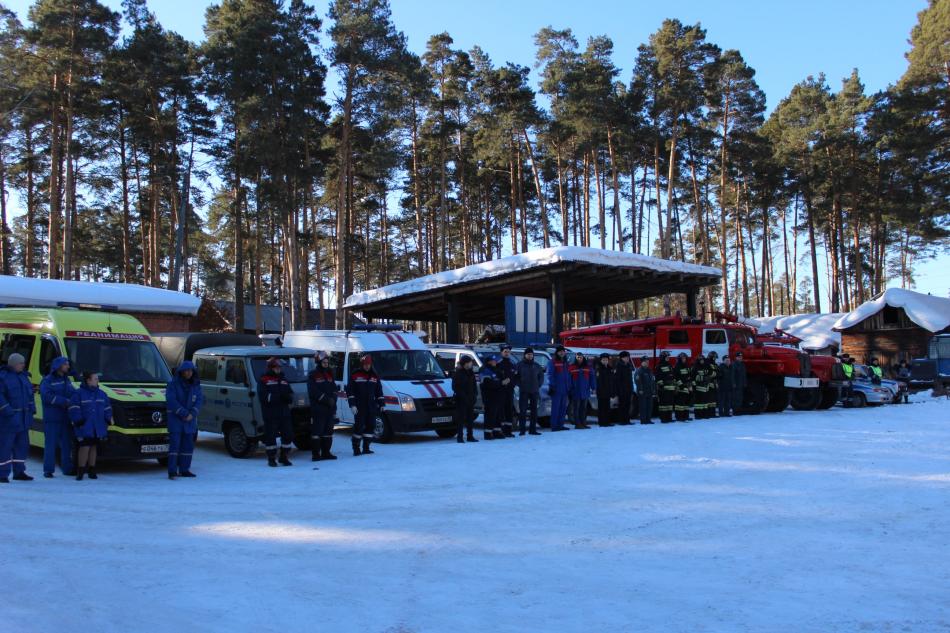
209	417
235	392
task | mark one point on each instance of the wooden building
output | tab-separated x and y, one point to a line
895	325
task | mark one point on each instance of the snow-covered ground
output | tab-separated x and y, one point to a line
795	522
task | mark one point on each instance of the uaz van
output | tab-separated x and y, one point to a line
417	392
131	370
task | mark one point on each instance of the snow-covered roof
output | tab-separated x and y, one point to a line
526	261
929	312
49	293
814	330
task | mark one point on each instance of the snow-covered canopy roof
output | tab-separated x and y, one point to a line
814	330
929	312
49	293
534	261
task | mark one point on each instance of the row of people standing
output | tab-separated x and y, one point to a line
707	387
572	383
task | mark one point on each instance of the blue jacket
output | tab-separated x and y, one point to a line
16	400
559	377
183	398
56	391
90	412
583	380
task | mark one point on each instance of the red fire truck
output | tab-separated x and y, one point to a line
778	375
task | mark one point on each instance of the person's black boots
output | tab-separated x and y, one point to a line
316	449
488	434
366	448
92	473
272	457
327	443
459	439
25	477
498	434
506	430
80	472
470	438
356	446
284	450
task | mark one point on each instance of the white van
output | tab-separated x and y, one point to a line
417	391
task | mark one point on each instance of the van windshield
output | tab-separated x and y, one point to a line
118	361
412	364
294	368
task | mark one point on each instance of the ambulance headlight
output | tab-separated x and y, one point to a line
406	403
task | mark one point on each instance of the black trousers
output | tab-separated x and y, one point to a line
464	416
321	422
623	413
278	425
528	409
645	406
508	407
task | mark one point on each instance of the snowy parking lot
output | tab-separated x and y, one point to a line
829	521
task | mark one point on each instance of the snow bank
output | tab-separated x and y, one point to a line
527	261
814	330
47	293
929	312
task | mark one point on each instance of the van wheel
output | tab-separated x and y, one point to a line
383	430
859	400
237	443
805	399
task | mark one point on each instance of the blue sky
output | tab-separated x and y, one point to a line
785	41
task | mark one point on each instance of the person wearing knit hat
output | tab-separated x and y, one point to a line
17	408
529	376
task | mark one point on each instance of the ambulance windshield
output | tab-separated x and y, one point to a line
118	361
412	364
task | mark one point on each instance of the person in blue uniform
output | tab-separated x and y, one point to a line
183	401
583	384
91	415
56	390
16	412
559	387
493	393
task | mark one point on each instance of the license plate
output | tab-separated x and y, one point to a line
155	448
445	419
801	383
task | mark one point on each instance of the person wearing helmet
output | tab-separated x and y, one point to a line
183	400
506	367
56	390
608	400
646	389
683	376
321	390
625	370
490	378
712	363
666	387
17	408
530	377
583	384
364	391
559	386
464	386
276	396
702	375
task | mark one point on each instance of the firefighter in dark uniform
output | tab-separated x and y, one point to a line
624	387
276	397
701	380
665	387
492	394
683	376
507	368
321	387
464	386
646	389
365	394
712	363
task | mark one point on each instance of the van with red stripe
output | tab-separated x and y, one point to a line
418	393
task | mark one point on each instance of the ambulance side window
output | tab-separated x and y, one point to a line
678	336
48	351
207	369
17	344
337	361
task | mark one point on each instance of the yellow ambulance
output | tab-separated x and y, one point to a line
132	372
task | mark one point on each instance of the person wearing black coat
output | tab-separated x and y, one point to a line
464	385
492	393
624	387
607	391
321	388
739	383
506	367
646	389
724	396
529	378
276	396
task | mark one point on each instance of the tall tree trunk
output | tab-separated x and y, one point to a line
542	205
343	210
55	209
238	219
29	270
565	229
614	168
601	211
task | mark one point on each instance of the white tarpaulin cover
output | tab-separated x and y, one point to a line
48	293
929	312
526	261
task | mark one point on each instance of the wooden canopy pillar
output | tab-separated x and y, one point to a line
557	307
597	315
452	332
691	302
